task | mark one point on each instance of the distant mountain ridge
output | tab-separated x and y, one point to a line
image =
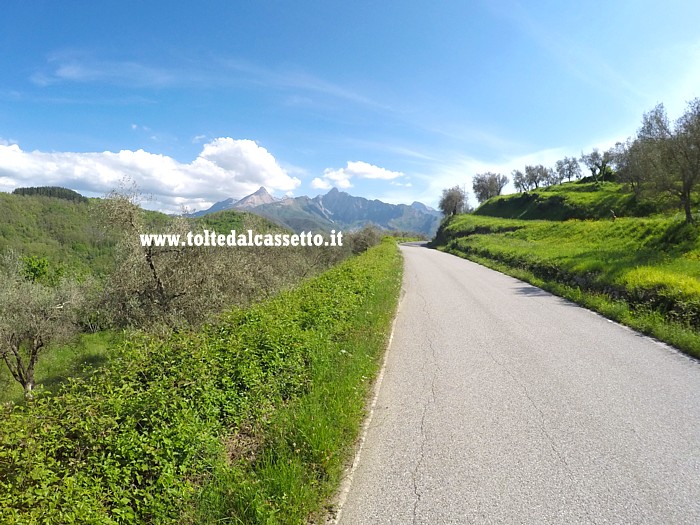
334	210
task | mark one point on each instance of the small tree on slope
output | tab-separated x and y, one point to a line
32	316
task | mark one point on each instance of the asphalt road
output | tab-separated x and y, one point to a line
500	403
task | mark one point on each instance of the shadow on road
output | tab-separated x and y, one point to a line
416	244
531	291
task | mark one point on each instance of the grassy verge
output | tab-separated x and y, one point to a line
644	273
308	441
249	420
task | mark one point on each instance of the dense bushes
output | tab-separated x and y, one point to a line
178	430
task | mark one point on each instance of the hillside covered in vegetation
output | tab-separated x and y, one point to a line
642	269
70	265
583	199
71	230
179	384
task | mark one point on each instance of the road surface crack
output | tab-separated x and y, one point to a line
430	401
543	427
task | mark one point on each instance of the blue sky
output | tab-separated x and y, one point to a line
396	100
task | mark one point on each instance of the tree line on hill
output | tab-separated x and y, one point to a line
151	288
661	161
52	191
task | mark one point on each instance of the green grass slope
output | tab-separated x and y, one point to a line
644	272
571	200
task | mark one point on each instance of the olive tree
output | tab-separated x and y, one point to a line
519	181
536	176
632	162
169	287
567	168
487	185
670	154
453	201
32	316
597	163
687	156
362	240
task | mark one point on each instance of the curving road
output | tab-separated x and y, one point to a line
501	403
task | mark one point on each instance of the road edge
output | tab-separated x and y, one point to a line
338	501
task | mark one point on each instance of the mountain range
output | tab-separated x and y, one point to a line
334	210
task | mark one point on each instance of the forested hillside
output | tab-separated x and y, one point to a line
63	231
52	191
73	231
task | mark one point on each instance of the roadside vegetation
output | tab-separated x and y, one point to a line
246	419
144	384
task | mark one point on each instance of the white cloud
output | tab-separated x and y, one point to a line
338	178
225	168
368	171
72	66
362	170
320	184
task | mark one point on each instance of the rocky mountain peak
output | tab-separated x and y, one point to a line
261	196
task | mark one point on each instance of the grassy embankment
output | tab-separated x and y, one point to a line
572	200
641	271
249	420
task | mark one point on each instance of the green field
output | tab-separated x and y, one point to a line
644	272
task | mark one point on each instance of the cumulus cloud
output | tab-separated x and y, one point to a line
225	168
341	177
320	184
